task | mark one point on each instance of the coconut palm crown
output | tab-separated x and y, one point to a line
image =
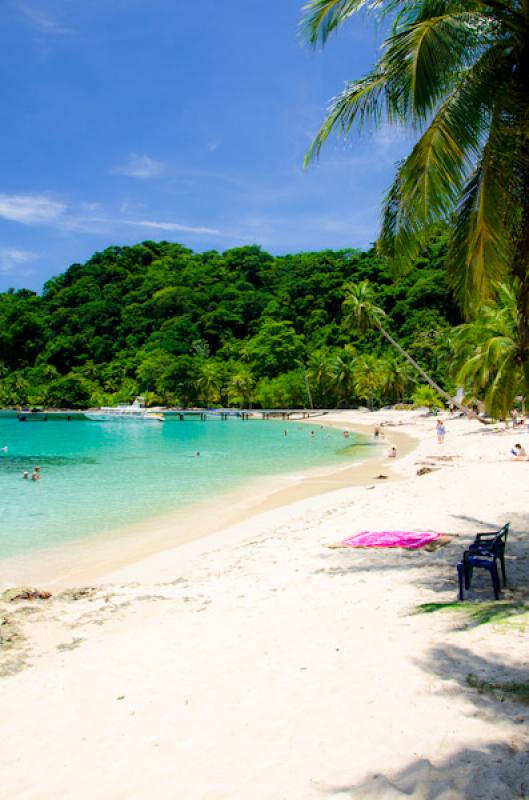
457	72
487	358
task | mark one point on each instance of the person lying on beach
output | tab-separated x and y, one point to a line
518	453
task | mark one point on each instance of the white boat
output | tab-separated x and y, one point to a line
136	412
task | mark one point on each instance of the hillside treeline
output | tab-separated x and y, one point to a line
235	328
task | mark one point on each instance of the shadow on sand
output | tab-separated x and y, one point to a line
495	771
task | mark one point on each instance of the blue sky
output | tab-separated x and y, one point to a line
184	120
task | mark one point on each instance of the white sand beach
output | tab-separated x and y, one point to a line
257	663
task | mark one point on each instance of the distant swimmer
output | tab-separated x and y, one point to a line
26	476
36	474
346	434
285	433
197	453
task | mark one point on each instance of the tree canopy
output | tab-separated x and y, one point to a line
230	328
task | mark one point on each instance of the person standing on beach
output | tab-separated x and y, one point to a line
441	431
376	431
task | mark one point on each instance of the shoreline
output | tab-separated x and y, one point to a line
92	558
300	670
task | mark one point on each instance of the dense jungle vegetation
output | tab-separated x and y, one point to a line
235	328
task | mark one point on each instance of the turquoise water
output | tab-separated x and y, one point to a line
99	476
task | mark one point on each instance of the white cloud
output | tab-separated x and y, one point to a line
42	21
140	167
30	209
10	258
90	207
172	226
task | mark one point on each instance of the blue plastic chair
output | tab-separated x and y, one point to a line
484	553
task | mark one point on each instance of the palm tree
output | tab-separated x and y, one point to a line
243	382
362	313
396	378
343	374
208	383
320	372
458	73
369	378
488	359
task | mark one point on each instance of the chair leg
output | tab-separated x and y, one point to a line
503	573
495	580
469	571
460	571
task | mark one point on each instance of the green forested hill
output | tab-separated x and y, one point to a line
233	328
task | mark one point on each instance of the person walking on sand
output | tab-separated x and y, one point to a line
376	431
440	430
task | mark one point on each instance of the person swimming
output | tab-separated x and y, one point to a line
36	474
26	476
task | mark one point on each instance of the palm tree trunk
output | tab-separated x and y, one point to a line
521	252
307	386
416	366
521	270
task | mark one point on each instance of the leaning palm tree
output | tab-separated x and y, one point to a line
457	72
362	313
487	356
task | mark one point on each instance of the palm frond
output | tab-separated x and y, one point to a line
362	101
424	56
322	17
478	256
400	237
429	182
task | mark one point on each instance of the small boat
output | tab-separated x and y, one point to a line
135	412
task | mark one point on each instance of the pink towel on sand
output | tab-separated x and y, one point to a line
409	539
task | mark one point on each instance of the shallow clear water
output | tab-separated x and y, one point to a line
100	476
